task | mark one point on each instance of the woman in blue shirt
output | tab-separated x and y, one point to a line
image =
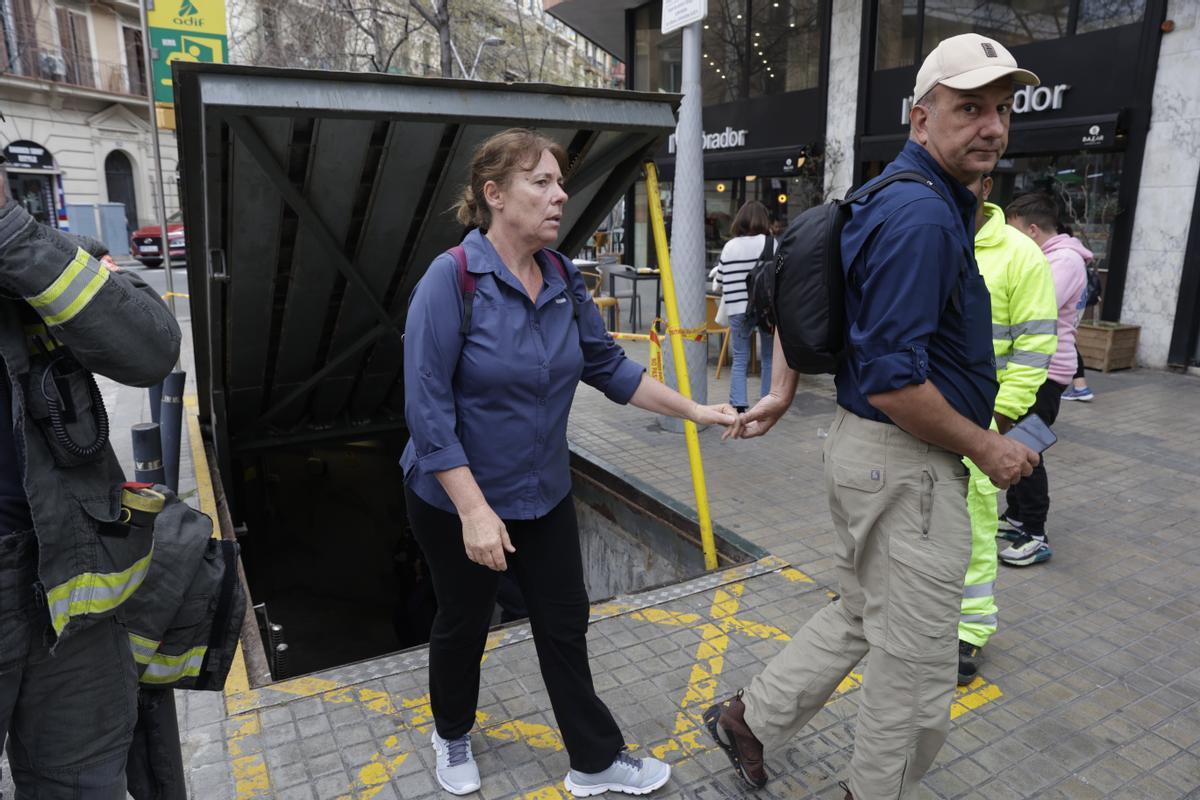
487	480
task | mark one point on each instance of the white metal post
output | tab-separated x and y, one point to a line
687	225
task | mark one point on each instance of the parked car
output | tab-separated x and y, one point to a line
146	243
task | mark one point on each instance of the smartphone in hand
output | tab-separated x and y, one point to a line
1033	433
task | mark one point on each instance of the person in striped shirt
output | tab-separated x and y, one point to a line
751	227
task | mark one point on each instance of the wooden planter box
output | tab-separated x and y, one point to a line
1108	345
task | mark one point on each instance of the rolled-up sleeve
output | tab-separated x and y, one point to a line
605	365
432	344
912	271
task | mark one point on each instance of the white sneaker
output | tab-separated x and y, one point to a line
626	774
456	768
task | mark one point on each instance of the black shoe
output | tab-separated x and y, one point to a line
740	409
969	657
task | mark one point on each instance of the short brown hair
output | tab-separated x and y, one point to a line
1035	208
496	159
751	220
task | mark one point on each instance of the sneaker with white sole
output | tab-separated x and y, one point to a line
1026	550
1009	529
626	774
456	768
1085	394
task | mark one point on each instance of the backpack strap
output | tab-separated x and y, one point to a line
905	175
466	282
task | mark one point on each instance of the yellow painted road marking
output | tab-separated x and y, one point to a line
415	714
972	696
377	773
794	575
250	775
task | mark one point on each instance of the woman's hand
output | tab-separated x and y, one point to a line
717	414
485	538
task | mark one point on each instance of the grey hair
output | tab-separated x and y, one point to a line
927	101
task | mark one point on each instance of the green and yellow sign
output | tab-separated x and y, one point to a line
184	30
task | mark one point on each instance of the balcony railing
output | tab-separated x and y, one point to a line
46	62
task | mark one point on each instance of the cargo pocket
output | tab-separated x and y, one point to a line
926	571
861	475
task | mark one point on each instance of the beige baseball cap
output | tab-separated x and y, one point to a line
968	61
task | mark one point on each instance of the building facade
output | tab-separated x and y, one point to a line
515	40
1113	132
76	129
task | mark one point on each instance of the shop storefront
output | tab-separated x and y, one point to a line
36	182
764	110
1080	136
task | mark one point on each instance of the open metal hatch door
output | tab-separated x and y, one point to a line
313	203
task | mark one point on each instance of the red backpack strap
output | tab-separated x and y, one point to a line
562	270
466	282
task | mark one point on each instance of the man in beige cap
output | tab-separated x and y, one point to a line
915	389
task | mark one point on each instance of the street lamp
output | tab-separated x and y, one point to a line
491	41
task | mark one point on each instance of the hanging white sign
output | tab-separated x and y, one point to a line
677	13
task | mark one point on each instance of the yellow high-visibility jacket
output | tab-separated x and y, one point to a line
1024	310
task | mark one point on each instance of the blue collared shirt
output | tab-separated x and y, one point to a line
498	400
917	308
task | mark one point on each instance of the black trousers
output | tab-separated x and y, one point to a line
548	568
1029	500
1080	372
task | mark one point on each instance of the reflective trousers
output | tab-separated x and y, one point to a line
979	614
68	716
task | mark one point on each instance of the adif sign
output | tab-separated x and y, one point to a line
1027	98
677	13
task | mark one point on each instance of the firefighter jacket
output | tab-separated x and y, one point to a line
1024	310
64	316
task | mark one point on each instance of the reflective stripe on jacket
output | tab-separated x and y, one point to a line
1024	310
59	305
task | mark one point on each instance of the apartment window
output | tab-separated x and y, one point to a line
23	58
76	47
135	67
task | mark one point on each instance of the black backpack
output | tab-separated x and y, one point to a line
804	295
758	283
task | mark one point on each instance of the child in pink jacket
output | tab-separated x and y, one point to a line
1029	501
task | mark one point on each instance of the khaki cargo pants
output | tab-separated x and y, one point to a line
899	510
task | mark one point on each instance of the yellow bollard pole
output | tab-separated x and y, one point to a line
685	388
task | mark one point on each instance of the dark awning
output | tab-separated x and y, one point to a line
315	200
1062	135
770	161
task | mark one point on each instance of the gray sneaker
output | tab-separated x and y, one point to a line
456	768
626	774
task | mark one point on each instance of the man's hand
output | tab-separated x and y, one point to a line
485	538
758	420
1005	460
